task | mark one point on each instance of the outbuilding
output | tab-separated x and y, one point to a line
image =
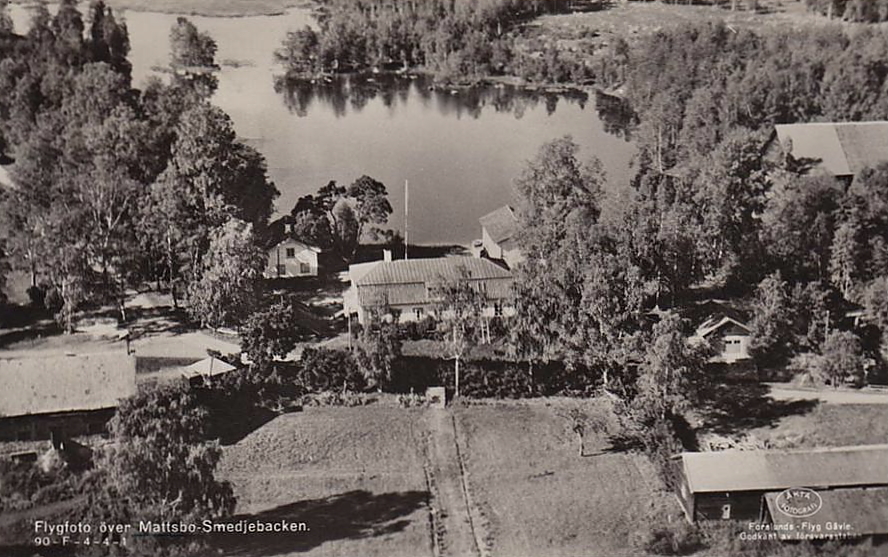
731	485
62	396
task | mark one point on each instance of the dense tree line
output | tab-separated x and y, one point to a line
714	202
454	39
115	185
706	98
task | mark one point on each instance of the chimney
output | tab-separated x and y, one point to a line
386	255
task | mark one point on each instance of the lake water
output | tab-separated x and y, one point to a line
460	152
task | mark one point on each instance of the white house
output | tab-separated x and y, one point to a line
292	258
498	230
405	290
729	336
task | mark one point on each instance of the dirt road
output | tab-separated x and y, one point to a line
459	529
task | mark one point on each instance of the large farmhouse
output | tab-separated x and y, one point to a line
733	484
64	396
840	149
405	289
498	230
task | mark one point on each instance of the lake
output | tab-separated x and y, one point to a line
459	150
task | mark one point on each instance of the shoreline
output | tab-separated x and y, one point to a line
201	8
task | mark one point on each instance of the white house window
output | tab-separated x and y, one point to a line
282	270
304	268
396	315
417	313
291	253
498	310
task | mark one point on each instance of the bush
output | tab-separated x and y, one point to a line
670	539
322	369
492	378
37	295
842	360
417	330
412	400
337	398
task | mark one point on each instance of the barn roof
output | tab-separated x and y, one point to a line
65	383
410	281
500	224
866	510
840	148
734	470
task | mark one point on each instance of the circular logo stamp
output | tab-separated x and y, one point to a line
799	502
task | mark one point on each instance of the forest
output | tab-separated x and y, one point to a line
453	40
716	209
115	186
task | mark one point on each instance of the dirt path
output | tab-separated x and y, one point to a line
451	504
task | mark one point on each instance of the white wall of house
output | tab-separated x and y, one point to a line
494	251
418	312
734	348
291	258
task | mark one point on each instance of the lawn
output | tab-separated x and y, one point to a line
539	497
829	425
354	475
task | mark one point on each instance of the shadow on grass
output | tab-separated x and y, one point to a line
352	515
737	407
232	419
32	333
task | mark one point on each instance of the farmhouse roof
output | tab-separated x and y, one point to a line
500	224
734	470
840	148
410	281
718	321
865	509
65	383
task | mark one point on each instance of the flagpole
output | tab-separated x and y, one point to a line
406	214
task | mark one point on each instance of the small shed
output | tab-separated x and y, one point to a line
731	485
728	335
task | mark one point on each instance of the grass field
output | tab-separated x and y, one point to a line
540	497
357	477
829	425
637	19
354	475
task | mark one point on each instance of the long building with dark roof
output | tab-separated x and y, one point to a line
731	485
62	395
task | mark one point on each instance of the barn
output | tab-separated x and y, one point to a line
62	396
732	485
